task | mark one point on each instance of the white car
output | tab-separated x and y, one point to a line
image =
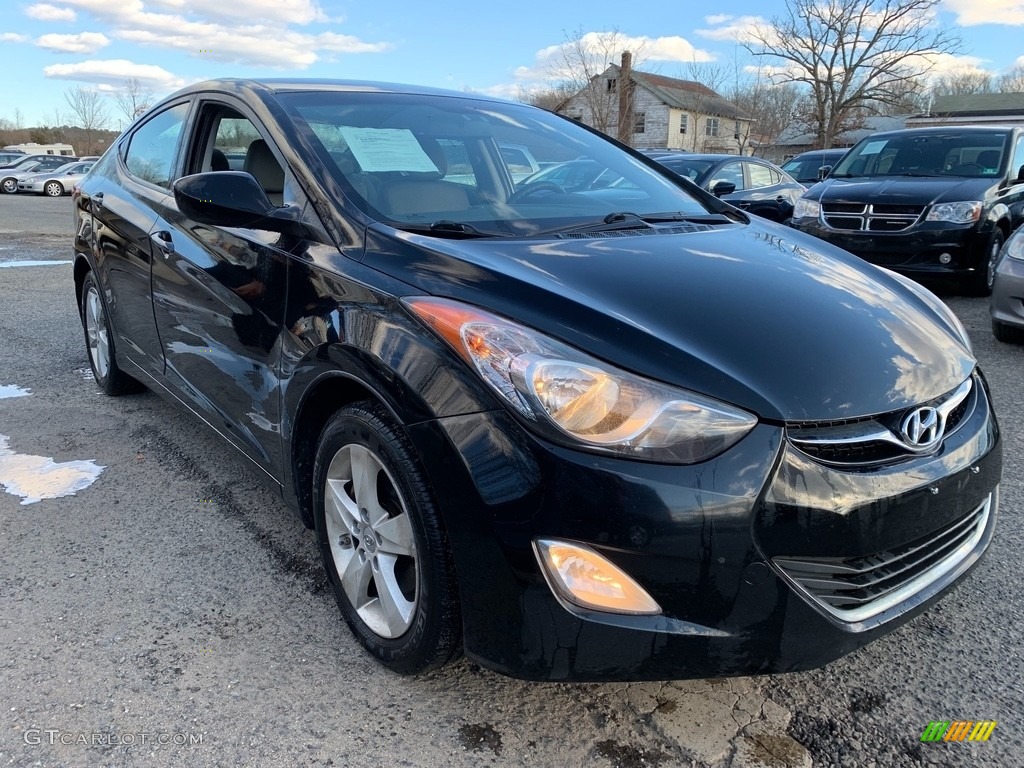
53	183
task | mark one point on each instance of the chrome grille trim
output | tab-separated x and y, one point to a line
871	217
869	431
824	580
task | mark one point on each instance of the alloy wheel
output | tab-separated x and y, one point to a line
10	186
371	540
97	333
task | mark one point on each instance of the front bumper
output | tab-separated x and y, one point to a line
703	540
916	250
1008	293
36	187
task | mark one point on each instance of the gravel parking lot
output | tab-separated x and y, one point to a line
174	611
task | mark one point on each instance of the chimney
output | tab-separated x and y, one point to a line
625	92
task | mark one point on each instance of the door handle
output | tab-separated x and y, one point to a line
97	200
162	240
780	199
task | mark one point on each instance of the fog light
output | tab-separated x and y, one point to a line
945	258
580	575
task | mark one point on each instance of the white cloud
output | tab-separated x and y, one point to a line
12	37
216	31
970	13
113	72
738	29
84	42
47	12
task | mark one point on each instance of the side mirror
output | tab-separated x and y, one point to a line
824	171
1020	174
233	199
723	188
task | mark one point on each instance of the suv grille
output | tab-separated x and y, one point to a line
875	217
857	589
876	441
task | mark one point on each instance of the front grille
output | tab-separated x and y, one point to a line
856	589
876	441
871	217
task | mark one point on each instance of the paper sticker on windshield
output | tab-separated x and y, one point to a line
387	149
874	147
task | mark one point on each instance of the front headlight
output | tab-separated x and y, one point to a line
956	213
31	180
806	209
570	396
1015	247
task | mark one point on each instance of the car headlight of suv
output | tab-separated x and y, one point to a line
965	212
572	397
806	209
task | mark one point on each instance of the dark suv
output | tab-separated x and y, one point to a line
925	201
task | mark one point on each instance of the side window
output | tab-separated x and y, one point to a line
229	141
731	172
1017	165
760	175
152	147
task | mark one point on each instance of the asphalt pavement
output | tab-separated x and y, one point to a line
171	611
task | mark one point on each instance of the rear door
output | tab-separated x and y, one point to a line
123	198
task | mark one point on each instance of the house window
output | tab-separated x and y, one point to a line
639	122
711	127
683	122
612	84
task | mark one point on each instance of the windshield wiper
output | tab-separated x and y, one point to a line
447	228
618	220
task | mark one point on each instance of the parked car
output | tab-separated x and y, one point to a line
632	434
1007	306
809	168
936	202
9	177
749	183
7	158
56	182
582	175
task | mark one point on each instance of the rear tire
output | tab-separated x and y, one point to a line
99	343
979	283
382	541
1008	334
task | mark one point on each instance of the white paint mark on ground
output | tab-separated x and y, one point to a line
35	478
10	390
31	263
86	373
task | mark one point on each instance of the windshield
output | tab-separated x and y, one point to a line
691	169
503	169
972	154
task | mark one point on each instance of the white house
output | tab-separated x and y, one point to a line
668	113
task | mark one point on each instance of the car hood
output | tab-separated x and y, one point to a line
759	315
900	190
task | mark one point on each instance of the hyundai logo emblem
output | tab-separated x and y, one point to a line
922	428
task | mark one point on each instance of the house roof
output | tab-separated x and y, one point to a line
682	94
979	104
795	135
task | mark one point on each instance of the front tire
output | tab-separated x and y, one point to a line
54	189
382	541
980	282
99	342
9	186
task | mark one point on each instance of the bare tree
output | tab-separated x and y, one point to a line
959	82
549	98
133	98
771	107
852	54
576	69
89	110
1012	81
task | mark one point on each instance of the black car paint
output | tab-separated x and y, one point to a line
697	537
774	202
916	250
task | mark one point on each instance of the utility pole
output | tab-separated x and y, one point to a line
625	89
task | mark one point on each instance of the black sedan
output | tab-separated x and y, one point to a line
749	183
627	433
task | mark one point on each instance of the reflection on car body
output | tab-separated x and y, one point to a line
593	434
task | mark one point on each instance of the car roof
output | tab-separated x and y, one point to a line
711	157
276	85
940	129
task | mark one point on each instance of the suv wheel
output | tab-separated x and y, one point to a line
979	283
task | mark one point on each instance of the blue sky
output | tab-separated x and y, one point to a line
496	48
